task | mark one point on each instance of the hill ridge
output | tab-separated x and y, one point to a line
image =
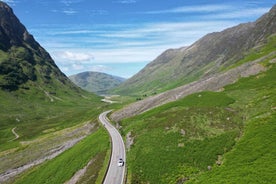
96	82
208	55
212	83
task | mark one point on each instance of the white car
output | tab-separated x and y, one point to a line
120	162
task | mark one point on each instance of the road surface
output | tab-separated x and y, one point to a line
115	174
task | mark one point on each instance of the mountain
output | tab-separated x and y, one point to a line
35	95
211	54
218	128
210	76
96	82
41	111
24	64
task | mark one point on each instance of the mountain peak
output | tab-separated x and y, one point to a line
12	32
22	58
5	6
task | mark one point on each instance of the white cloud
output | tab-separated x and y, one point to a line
99	68
125	55
72	56
129	44
217	11
98	12
69	12
190	9
126	1
10	2
72	45
78	67
154	34
70	2
250	12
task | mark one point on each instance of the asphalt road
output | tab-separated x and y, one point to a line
115	174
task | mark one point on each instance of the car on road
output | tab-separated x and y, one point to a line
120	162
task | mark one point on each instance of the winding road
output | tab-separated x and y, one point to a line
115	174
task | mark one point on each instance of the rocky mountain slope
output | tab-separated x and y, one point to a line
96	82
211	54
213	83
24	64
212	78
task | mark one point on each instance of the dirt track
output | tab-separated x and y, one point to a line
15	134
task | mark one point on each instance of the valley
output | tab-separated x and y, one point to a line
203	113
114	174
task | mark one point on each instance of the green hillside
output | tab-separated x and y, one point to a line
42	113
213	53
35	95
208	137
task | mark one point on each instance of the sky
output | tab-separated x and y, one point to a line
120	37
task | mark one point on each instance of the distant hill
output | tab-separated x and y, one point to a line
211	54
96	82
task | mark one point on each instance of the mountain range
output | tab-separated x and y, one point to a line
216	60
215	52
208	113
99	83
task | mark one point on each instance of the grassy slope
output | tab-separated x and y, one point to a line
157	84
213	123
62	168
37	119
34	114
253	158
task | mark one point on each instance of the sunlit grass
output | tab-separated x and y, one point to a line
64	166
229	132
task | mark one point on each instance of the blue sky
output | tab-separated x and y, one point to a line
120	37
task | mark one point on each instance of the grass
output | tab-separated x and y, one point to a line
161	149
64	166
252	160
34	114
229	132
44	124
103	170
